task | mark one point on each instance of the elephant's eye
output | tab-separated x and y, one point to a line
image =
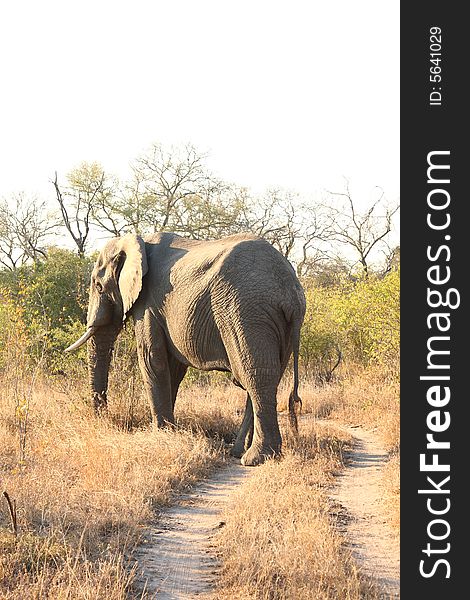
99	287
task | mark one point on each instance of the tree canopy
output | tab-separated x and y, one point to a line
172	189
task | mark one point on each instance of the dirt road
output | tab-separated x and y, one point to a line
175	562
359	491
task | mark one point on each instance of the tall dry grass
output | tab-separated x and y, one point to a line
86	486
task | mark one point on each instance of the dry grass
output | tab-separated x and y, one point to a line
367	397
88	486
83	492
216	410
283	542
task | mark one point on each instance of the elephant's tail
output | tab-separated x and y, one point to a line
294	397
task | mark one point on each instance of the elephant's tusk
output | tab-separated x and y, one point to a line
86	336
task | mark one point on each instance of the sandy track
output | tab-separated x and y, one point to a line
359	491
175	561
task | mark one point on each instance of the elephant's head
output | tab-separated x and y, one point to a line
116	283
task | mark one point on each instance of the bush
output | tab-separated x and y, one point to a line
14	336
56	289
370	317
361	319
48	302
321	337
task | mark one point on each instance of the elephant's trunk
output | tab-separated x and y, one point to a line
100	350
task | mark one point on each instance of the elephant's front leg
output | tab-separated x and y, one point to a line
245	433
153	363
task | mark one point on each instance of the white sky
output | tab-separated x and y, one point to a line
290	93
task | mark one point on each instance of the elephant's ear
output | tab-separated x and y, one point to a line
133	269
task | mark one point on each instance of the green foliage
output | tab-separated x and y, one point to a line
371	315
86	178
48	302
14	339
320	335
59	338
59	287
360	318
43	310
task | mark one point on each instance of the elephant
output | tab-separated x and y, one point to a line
234	304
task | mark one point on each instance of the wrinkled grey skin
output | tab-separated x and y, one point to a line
233	304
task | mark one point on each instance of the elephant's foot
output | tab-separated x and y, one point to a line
164	422
241	444
237	450
255	456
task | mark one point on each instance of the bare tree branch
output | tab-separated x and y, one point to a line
24	228
81	201
170	179
362	232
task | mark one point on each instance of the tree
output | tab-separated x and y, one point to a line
82	200
296	228
25	225
392	260
361	231
109	209
10	254
328	272
212	215
49	299
165	182
131	206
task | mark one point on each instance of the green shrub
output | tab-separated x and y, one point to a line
47	301
43	310
361	319
56	289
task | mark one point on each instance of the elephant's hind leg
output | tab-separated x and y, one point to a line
266	440
256	365
245	433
